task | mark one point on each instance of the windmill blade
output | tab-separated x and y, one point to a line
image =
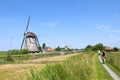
22	42
27	23
38	42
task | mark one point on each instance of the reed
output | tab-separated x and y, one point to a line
85	66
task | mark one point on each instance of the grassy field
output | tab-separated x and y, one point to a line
113	60
17	57
20	68
85	66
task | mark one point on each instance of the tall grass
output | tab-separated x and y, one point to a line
113	60
18	52
84	66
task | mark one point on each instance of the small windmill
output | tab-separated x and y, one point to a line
30	40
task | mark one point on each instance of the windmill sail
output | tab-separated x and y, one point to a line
30	40
25	32
28	23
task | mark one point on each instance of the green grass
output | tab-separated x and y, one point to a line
21	57
113	61
85	66
2	55
99	73
116	70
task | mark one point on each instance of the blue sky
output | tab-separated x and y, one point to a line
76	23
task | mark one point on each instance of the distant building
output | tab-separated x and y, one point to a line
48	49
66	47
51	49
107	48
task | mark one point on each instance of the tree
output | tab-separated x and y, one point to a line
44	45
58	48
40	48
115	49
98	46
9	57
89	47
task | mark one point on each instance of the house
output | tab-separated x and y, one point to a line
48	49
66	47
51	49
107	48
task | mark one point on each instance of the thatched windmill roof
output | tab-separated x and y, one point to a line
30	34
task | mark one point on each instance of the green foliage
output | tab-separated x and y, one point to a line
3	55
114	60
79	67
40	48
98	46
24	51
115	49
56	72
58	49
9	57
44	45
17	52
89	47
99	73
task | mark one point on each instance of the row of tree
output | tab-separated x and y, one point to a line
42	47
98	46
62	49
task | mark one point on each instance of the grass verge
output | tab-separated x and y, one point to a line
85	66
115	69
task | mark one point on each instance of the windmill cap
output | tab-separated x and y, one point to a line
31	34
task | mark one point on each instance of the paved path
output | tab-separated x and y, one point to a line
115	77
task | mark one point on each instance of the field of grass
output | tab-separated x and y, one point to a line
20	57
20	68
113	60
85	66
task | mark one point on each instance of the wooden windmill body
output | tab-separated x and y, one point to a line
30	40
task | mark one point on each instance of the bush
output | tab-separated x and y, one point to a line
115	49
16	52
24	51
9	57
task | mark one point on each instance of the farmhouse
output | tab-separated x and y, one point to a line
48	49
107	48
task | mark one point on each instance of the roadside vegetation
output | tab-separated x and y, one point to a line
19	68
113	61
85	66
13	56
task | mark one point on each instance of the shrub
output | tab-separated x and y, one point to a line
9	57
24	51
16	52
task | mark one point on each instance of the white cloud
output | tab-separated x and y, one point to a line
115	31
106	28
50	24
101	26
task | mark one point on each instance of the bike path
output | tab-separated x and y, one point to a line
114	75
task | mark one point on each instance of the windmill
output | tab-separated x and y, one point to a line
30	40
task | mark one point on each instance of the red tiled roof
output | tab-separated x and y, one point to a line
107	48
